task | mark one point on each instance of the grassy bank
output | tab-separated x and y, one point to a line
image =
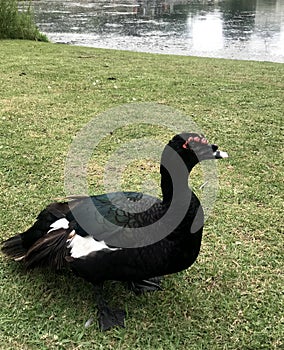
231	298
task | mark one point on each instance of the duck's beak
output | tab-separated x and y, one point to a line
219	154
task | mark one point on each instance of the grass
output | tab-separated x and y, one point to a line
232	298
15	24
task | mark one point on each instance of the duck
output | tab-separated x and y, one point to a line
130	237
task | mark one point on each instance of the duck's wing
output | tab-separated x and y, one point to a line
120	219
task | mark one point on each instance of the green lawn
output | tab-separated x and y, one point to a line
232	297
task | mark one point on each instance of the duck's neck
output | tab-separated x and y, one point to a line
166	185
179	184
174	176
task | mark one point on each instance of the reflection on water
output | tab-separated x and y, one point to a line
242	29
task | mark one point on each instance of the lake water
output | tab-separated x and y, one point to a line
238	29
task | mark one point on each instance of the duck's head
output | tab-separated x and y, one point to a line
193	148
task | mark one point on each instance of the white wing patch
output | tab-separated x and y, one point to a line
82	246
61	223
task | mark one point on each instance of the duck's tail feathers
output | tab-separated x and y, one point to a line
13	247
50	250
24	245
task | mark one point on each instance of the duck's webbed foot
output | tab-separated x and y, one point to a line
149	285
107	317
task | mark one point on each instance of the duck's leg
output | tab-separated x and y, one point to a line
107	317
149	285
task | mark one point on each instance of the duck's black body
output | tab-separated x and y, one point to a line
89	242
174	253
171	254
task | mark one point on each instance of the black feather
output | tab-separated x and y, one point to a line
13	247
50	250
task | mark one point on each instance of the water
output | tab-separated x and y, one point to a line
238	29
